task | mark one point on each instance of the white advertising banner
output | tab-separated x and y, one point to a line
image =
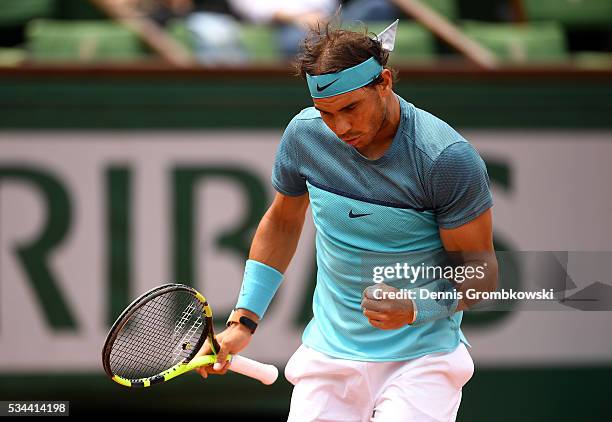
89	220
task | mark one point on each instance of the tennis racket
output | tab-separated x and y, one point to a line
158	336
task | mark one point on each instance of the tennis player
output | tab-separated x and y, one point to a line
382	177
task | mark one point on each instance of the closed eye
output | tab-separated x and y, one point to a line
349	107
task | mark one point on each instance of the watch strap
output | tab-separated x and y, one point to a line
243	319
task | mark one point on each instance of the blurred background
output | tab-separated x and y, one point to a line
136	144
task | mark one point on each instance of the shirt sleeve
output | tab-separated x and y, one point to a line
286	177
459	183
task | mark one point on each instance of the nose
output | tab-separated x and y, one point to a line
341	126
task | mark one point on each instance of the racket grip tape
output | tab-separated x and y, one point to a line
263	372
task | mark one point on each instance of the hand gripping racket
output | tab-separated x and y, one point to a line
158	336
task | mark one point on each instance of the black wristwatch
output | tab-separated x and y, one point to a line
244	320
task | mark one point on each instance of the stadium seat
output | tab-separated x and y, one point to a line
257	42
18	12
520	43
178	30
572	13
81	41
260	43
413	43
592	60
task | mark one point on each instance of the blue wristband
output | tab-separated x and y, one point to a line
430	309
259	285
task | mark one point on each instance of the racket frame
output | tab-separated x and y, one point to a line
186	364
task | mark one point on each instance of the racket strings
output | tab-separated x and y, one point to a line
160	334
189	335
135	350
150	356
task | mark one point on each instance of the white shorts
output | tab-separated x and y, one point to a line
418	390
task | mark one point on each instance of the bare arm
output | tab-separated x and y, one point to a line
278	234
279	231
474	242
274	244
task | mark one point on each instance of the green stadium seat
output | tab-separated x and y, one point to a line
572	13
520	43
256	44
82	41
413	43
592	60
18	12
260	43
178	30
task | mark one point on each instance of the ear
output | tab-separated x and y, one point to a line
386	87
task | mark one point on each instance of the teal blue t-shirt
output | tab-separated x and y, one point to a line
430	177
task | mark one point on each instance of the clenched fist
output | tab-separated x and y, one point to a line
386	313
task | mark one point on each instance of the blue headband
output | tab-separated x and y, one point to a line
330	84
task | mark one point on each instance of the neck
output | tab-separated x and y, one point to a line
388	128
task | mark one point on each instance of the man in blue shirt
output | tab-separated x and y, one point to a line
382	178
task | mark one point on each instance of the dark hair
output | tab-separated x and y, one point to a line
329	49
